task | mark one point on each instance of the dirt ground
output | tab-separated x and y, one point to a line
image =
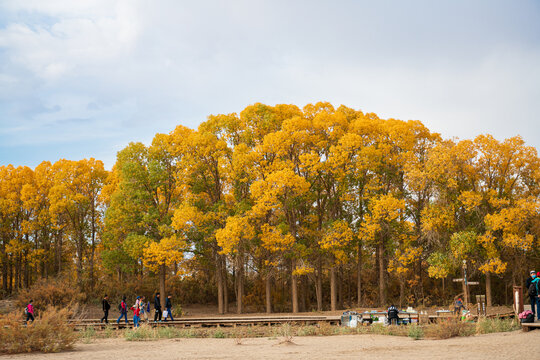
513	345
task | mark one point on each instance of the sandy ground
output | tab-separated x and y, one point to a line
514	345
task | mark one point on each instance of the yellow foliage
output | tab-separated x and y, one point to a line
235	231
495	266
274	240
168	251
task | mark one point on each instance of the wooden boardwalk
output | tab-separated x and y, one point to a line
214	322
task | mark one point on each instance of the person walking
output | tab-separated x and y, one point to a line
136	315
123	310
157	307
106	307
145	308
534	292
29	310
532	276
168	306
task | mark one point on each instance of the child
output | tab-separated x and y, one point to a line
136	315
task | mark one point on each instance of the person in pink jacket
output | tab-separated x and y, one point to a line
29	311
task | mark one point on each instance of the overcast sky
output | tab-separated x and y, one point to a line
84	78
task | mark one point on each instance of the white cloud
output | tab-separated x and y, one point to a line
104	73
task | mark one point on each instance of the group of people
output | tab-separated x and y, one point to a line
140	309
533	289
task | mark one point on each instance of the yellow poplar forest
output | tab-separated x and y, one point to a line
279	208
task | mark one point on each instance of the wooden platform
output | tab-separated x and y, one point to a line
214	322
530	326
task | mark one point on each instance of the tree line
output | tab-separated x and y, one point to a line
322	200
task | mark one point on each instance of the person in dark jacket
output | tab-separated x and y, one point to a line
534	292
393	317
106	307
531	298
168	306
123	311
157	307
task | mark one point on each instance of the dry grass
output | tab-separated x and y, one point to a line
49	333
285	333
56	293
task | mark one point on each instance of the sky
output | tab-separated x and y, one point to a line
82	79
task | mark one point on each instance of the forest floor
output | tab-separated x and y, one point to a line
510	345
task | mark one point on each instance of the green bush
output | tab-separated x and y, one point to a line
141	333
219	334
415	332
167	332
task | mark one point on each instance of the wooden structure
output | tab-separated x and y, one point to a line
214	322
530	326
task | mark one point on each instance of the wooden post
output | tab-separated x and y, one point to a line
518	300
465	285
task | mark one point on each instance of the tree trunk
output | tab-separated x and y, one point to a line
92	245
294	288
4	259
58	251
225	284
304	292
382	282
162	275
80	242
333	294
268	283
17	271
240	287
340	287
359	302
488	289
318	288
219	280
401	292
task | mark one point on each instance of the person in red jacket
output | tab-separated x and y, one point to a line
29	311
136	315
123	310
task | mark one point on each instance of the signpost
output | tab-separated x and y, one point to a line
481	303
465	283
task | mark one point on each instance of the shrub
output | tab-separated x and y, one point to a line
219	334
50	332
88	334
487	326
415	332
55	293
141	333
308	330
449	328
167	332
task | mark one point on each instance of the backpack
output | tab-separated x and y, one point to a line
26	310
528	319
532	290
120	308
